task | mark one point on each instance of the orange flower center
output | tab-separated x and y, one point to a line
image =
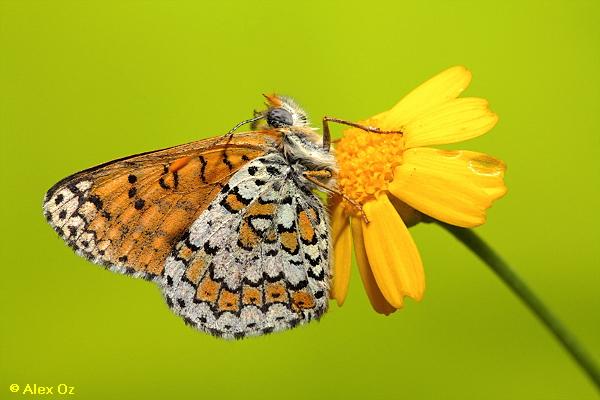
367	161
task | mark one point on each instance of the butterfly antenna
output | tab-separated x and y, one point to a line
244	123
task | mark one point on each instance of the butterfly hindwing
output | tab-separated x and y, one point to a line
257	259
128	214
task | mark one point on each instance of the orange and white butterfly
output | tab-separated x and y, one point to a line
228	227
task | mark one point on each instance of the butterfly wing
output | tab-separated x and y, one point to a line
129	213
257	260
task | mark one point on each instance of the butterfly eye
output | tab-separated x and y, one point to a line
279	118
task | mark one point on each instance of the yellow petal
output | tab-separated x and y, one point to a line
452	186
440	89
453	121
392	254
378	302
409	215
342	252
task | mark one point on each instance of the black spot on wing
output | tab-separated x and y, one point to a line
72	230
203	164
273	170
139	204
162	183
314	262
318	276
300	285
227	162
282	228
96	201
210	250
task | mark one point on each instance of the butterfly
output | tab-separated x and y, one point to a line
229	227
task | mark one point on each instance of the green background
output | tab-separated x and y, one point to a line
84	82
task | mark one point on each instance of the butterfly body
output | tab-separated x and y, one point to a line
229	227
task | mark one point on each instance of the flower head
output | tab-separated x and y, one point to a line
398	180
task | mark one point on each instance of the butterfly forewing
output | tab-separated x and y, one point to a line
128	214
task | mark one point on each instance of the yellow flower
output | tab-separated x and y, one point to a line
398	181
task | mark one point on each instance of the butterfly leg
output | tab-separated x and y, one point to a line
314	176
327	134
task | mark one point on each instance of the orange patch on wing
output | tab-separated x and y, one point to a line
260	209
276	293
307	231
136	234
111	186
126	246
159	242
271	236
188	177
145	259
228	301
194	271
289	241
114	233
208	290
99	224
302	300
127	215
312	214
251	295
179	163
185	253
235	159
150	217
155	266
247	237
233	202
176	219
116	205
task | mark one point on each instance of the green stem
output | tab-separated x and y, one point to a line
519	288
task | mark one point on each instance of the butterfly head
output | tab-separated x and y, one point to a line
283	112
